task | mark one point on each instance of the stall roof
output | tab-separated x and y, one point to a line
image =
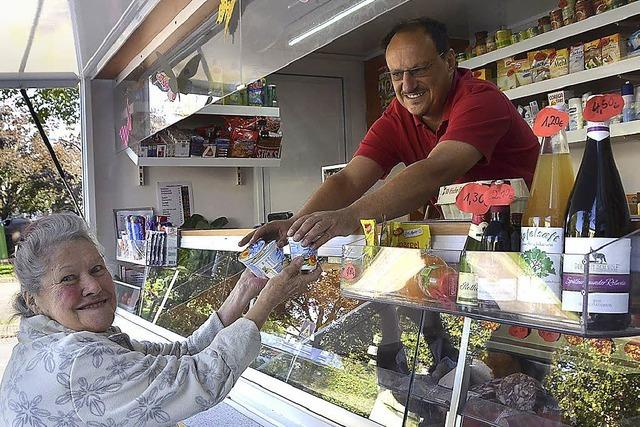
38	44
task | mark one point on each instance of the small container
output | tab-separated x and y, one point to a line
503	38
515	38
575	114
309	254
583	10
523	35
265	260
599	6
481	43
532	31
544	24
568	15
556	19
491	43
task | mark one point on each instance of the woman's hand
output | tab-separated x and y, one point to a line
249	285
247	288
290	282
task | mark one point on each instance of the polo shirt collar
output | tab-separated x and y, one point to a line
447	106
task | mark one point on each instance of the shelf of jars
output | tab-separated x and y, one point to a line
617	68
508	291
552	37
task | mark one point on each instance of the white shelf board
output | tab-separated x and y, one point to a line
552	37
217	162
625	66
618	130
239	110
131	260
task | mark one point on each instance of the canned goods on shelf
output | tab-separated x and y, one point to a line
583	10
568	15
556	19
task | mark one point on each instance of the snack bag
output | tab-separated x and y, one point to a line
413	235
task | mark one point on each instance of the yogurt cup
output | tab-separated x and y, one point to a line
309	254
264	260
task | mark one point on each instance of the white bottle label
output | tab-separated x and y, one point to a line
609	274
541	249
467	289
497	289
597	130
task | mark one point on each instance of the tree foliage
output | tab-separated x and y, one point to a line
29	182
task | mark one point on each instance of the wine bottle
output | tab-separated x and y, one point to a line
497	285
467	281
598	215
542	233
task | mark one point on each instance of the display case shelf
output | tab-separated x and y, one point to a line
395	276
552	37
239	110
131	260
618	131
202	161
621	67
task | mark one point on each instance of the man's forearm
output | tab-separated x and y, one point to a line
335	193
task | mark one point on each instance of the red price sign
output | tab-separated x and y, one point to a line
603	107
549	122
471	199
500	195
349	272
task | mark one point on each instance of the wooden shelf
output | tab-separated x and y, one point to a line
552	37
625	66
212	162
618	130
239	110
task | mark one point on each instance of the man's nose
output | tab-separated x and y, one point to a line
408	82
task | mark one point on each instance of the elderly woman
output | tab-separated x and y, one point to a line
71	367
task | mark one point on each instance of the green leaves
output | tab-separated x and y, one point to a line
538	263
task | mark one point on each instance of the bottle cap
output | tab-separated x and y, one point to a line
627	89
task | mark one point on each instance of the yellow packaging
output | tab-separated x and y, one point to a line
513	73
408	235
540	61
559	64
370	232
482	74
592	55
613	49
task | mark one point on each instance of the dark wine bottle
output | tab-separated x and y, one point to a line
597	215
467	280
497	285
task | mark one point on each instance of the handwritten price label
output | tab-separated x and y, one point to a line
349	272
500	195
549	122
471	199
603	107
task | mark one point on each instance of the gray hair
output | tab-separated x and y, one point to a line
34	251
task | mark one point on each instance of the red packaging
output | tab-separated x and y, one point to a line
234	122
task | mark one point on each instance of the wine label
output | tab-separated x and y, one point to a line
467	289
477	230
609	278
541	250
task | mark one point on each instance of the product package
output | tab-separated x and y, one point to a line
540	64
559	97
576	58
559	63
255	92
415	235
482	74
613	49
223	146
592	54
513	73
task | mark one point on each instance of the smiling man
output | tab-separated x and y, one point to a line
445	125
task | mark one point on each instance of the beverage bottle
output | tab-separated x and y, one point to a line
597	215
542	232
628	111
497	283
467	280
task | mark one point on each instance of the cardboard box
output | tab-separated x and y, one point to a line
447	198
559	64
613	49
482	74
540	61
559	97
576	58
592	54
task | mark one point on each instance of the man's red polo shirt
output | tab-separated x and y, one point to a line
476	113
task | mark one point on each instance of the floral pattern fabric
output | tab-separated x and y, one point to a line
60	377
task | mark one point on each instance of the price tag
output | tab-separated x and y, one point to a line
349	272
471	199
603	107
549	122
500	195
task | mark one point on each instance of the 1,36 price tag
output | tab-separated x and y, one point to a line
549	122
601	108
471	199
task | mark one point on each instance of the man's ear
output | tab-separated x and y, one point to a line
450	57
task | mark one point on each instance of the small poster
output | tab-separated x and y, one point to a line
175	200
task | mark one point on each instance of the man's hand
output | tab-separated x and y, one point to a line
318	228
274	230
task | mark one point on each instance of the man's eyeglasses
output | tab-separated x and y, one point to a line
421	71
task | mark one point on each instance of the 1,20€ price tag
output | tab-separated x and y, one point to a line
549	122
601	108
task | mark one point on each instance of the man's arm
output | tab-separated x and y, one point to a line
404	193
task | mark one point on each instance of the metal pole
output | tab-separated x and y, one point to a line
52	153
461	379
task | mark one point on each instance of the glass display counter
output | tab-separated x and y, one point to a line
365	341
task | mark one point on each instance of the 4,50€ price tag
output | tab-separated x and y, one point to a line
603	107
